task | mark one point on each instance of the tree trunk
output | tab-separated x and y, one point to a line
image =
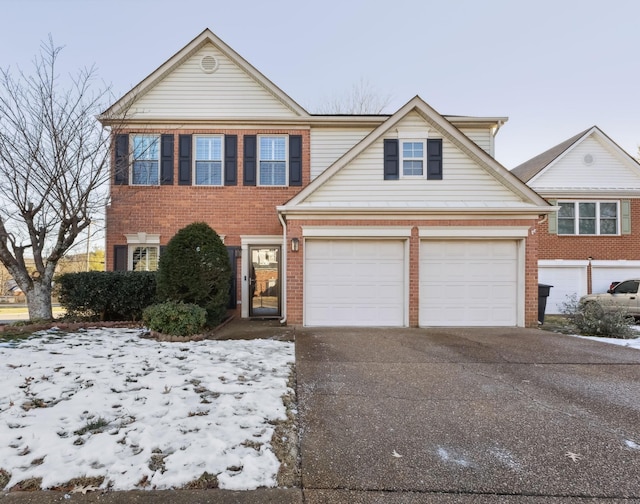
39	301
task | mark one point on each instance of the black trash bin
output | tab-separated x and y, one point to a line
543	294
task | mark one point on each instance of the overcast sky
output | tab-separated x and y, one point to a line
554	67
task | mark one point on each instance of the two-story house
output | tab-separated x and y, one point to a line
331	220
591	241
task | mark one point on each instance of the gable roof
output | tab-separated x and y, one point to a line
206	37
529	197
534	166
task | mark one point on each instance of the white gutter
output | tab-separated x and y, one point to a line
283	272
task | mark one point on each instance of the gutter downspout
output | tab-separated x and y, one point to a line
283	273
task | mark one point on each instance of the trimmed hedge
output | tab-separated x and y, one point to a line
107	295
175	319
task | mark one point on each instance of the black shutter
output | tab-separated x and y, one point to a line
233	252
295	160
250	160
434	159
120	257
184	160
391	160
166	160
231	160
122	160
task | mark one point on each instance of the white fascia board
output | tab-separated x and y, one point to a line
473	232
562	263
394	212
142	238
356	231
615	263
260	239
588	193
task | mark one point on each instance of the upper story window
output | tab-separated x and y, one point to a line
208	160
272	161
588	218
146	160
412	163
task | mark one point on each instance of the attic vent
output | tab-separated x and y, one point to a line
588	159
209	64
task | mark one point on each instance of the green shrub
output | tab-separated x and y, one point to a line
591	319
106	295
194	268
175	318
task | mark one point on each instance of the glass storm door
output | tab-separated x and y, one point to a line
264	286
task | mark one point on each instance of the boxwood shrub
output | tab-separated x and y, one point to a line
194	268
106	295
175	318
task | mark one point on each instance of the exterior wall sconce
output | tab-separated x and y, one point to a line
295	244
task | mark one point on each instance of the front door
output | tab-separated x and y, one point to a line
264	287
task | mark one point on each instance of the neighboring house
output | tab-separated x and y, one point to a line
330	220
594	238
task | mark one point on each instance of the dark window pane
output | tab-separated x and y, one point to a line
587	210
587	226
566	210
566	226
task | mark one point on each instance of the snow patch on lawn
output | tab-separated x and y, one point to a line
630	343
142	414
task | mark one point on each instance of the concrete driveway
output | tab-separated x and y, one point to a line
466	415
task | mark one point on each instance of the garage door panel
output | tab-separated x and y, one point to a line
567	281
354	283
468	282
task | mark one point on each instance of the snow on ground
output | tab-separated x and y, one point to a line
630	343
143	414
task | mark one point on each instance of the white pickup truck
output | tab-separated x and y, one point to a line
622	296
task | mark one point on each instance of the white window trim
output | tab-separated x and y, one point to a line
286	161
195	158
133	159
576	218
140	239
132	249
401	142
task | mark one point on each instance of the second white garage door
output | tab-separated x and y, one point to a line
468	282
354	283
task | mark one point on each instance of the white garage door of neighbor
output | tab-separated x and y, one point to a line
603	275
354	283
567	281
468	282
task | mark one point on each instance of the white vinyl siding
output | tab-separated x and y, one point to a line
329	144
362	182
190	93
608	171
483	138
355	282
469	283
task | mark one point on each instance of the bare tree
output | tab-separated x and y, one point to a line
361	99
54	160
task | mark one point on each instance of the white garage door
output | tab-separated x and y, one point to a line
605	272
568	280
468	282
354	283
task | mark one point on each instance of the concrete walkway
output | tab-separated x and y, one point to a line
476	416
